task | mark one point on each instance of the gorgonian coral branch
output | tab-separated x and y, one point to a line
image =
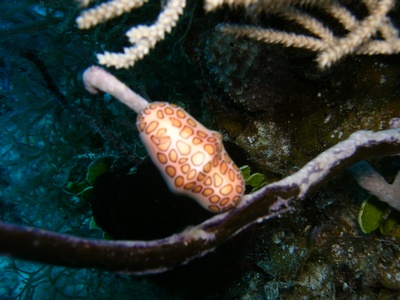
141	257
361	37
143	38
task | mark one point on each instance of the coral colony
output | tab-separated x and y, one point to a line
268	202
361	38
192	158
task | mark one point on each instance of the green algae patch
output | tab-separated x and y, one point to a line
98	167
255	180
372	214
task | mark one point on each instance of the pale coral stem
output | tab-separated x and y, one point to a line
97	79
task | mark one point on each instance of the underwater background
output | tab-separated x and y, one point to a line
276	111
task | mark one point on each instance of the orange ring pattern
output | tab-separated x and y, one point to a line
191	158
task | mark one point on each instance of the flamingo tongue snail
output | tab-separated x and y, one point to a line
190	157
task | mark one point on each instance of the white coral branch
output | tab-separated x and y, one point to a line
370	180
106	11
143	38
361	38
97	79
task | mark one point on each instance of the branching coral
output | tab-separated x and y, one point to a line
143	38
361	38
369	179
159	255
376	185
156	256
